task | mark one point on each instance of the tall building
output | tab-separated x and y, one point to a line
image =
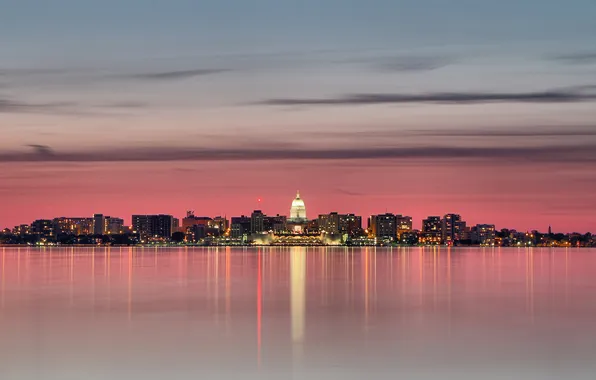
99	224
404	224
73	226
350	224
153	225
257	222
220	223
113	225
240	225
483	234
329	223
335	223
192	220
452	228
431	230
42	227
298	209
275	223
384	226
23	229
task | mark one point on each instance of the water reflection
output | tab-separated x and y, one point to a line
296	309
298	299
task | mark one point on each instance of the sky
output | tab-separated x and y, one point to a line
417	107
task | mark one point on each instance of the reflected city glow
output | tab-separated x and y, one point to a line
297	308
298	298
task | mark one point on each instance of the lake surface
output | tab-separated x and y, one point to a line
300	313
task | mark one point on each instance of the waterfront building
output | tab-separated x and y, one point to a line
298	222
383	226
404	225
153	225
452	228
73	226
340	224
257	222
275	224
113	226
298	209
240	226
483	234
99	224
43	227
431	230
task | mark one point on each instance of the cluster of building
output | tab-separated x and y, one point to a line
296	229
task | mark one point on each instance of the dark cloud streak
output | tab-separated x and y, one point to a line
530	132
175	75
413	64
11	106
577	58
572	95
556	153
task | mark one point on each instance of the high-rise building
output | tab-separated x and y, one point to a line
350	224
192	220
483	234
335	223
384	226
113	225
404	224
99	224
257	222
73	226
240	225
153	225
23	229
43	227
431	230
220	223
452	228
275	223
329	223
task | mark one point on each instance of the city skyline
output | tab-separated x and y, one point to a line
417	105
291	228
261	205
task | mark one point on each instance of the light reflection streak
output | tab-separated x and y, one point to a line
259	306
566	277
71	275
449	290
298	300
421	274
436	255
130	273
228	288
366	254
3	276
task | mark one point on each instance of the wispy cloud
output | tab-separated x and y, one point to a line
585	153
413	64
42	150
65	108
580	58
13	106
562	131
571	95
174	75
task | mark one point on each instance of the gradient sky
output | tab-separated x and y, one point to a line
417	107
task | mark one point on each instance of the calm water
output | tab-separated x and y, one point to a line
297	313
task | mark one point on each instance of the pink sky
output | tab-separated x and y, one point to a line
520	196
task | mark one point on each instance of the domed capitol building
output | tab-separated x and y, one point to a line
298	210
297	222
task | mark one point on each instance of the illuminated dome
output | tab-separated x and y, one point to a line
298	210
